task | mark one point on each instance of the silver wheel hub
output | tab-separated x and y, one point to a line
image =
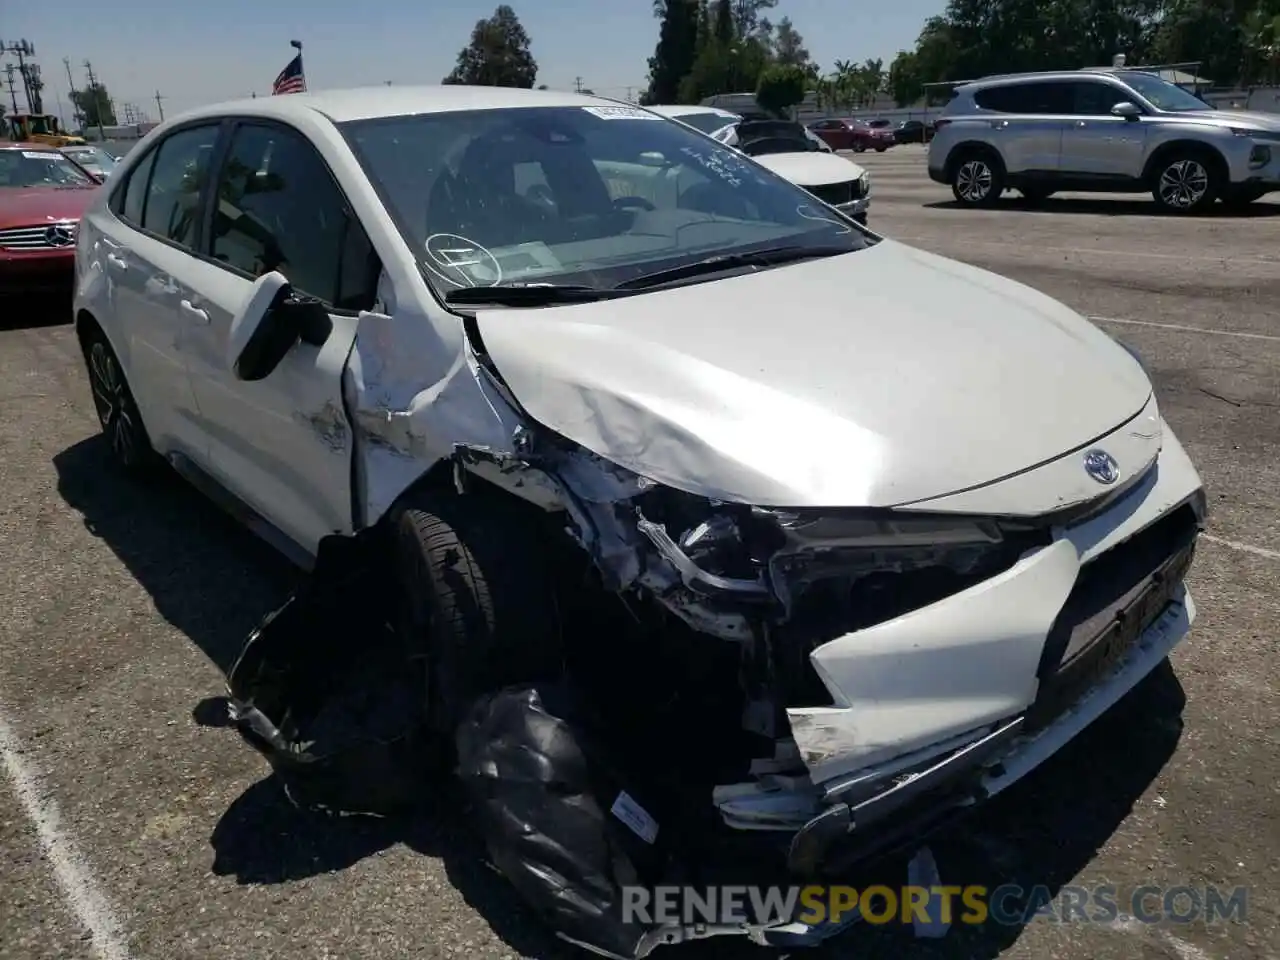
973	180
1183	184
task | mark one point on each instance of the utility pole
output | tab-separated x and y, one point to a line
96	92
23	49
160	105
577	84
13	87
76	113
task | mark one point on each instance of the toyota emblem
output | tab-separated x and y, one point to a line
59	235
1101	466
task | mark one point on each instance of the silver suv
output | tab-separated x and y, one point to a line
1101	130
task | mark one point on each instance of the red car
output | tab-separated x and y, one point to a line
853	135
42	195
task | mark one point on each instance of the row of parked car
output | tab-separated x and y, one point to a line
879	135
43	192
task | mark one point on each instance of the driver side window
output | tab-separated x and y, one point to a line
278	208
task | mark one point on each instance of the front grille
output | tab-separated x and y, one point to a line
47	236
1116	598
838	193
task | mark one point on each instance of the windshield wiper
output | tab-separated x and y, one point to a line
531	295
769	257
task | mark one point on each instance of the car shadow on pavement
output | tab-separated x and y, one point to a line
207	575
1107	207
214	581
21	311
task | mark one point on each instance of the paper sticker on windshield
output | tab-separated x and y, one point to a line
621	113
33	155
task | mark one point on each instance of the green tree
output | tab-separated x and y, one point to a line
676	51
781	87
723	28
94	105
747	15
788	45
904	82
498	54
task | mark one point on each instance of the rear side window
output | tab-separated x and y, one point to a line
177	180
134	200
1033	98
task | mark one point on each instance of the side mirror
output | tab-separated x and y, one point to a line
268	324
1130	111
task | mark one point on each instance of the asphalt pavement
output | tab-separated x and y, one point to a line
134	827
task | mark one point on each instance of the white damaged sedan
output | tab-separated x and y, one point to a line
573	359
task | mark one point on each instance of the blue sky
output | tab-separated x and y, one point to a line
197	52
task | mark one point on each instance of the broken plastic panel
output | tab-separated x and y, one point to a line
320	690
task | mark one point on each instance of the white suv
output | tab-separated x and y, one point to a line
1101	130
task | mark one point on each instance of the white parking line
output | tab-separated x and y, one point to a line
78	886
1243	547
1182	328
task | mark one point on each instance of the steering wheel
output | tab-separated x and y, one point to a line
623	203
540	193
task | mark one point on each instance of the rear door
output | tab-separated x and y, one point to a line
1027	123
150	243
283	445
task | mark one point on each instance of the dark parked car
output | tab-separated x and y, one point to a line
853	135
913	131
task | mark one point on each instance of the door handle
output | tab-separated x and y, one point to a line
1081	123
999	124
191	310
117	261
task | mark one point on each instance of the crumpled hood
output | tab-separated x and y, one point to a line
811	169
779	388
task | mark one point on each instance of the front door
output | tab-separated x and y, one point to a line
1096	143
283	444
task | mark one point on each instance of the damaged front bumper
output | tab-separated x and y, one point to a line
854	827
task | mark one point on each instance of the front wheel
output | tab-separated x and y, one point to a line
1186	183
478	601
977	180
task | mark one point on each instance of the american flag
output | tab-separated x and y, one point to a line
291	78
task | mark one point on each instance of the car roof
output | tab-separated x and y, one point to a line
1042	75
369	103
685	109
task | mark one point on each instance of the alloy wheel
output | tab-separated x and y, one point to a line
1183	184
973	180
113	403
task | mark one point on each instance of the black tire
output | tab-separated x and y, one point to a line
881	149
117	411
1186	181
977	178
860	148
478	604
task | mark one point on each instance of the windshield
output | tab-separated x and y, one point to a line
706	122
1162	94
591	196
39	168
91	158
